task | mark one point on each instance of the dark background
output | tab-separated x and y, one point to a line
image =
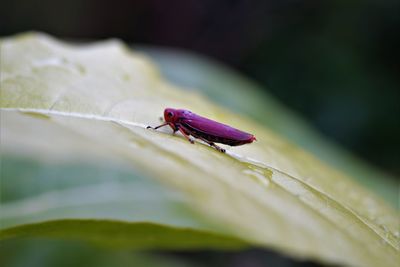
335	62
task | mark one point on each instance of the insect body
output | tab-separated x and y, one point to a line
209	131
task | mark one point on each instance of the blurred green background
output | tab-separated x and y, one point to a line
336	63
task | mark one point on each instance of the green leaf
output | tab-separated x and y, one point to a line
46	252
120	234
66	105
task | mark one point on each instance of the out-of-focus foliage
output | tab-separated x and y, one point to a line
72	108
45	252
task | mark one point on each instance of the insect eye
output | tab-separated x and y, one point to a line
170	114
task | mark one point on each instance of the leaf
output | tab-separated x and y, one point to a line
44	252
90	104
124	235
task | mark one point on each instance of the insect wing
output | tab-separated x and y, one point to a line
214	128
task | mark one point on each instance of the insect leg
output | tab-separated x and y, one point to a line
159	126
185	135
175	128
220	149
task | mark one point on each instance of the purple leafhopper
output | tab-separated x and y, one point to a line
209	131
